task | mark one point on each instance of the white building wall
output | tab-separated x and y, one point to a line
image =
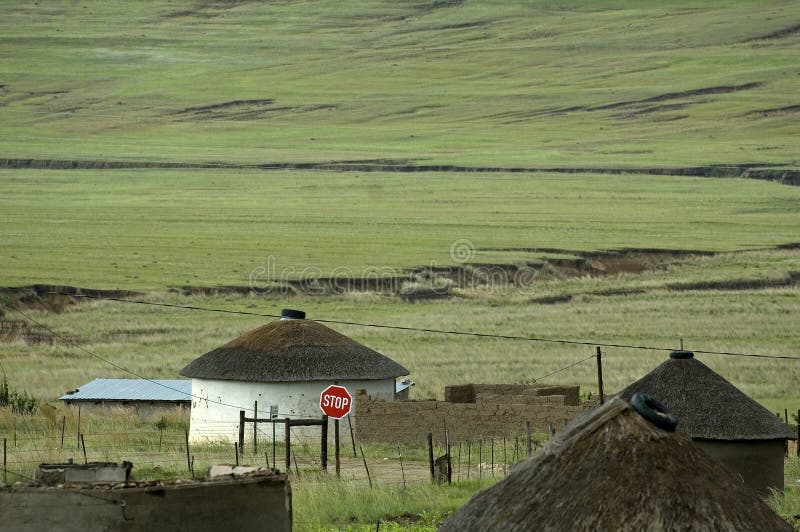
215	422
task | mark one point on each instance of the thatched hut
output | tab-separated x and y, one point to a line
723	421
611	469
282	366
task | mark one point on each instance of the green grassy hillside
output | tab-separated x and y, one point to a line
148	229
581	84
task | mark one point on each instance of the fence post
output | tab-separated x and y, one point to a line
255	427
369	478
63	426
600	375
83	444
430	454
352	436
5	464
480	458
402	470
528	437
449	458
236	451
458	474
287	441
492	455
505	458
469	456
188	458
241	432
79	426
323	451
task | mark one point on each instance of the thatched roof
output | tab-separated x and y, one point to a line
708	406
613	470
290	351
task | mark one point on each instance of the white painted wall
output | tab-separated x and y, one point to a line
213	422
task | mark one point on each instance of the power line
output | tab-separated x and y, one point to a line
581	361
439	331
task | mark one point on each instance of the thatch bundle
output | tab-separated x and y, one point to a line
291	351
611	469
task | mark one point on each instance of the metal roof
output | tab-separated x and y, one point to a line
132	390
404	384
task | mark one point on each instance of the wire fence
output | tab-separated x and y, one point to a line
167	453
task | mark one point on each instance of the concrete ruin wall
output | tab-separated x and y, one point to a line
494	411
250	504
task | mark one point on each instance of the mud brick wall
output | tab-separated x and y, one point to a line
468	393
491	415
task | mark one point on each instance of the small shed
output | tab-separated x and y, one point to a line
730	426
279	370
612	469
149	398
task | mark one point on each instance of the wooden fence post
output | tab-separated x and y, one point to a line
188	458
83	445
528	437
469	456
458	474
352	436
402	470
600	376
505	458
430	454
492	440
241	432
449	458
480	458
255	427
79	426
63	426
364	458
5	464
287	441
323	451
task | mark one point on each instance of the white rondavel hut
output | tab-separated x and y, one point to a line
280	368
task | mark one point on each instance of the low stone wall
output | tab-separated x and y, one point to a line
489	414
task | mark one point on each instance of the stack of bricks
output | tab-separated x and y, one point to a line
469	412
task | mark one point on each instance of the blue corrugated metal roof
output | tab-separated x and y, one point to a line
132	390
399	386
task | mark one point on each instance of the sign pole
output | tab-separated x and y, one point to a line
337	448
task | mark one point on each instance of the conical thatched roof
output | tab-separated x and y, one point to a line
290	351
708	406
613	470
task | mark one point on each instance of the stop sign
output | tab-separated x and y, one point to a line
335	401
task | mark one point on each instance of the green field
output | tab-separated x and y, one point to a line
612	83
558	92
149	229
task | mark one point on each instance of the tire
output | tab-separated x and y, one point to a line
654	411
292	314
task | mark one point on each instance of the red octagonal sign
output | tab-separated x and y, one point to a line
335	401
